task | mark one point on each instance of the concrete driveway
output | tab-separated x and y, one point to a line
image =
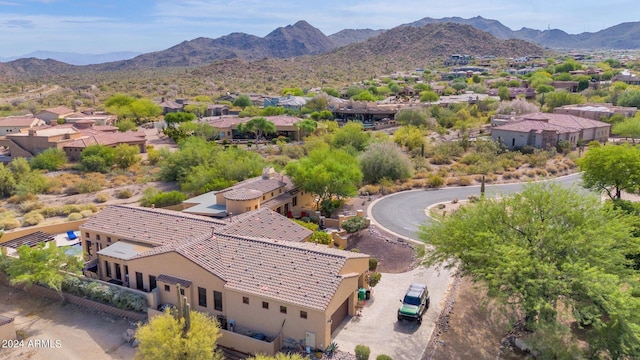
379	328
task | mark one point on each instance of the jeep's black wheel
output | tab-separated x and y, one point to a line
428	302
399	318
419	320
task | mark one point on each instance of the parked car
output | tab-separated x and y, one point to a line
415	303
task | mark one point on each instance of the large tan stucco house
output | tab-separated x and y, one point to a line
544	130
226	126
254	271
15	124
271	190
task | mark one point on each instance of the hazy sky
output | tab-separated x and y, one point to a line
100	26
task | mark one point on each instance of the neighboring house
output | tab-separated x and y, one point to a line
169	106
251	272
72	138
14	124
569	86
271	190
543	130
227	126
527	93
629	79
51	115
596	111
96	118
288	102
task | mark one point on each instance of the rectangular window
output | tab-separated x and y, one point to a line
167	288
283	309
98	246
152	282
294	201
97	237
118	272
217	300
108	239
107	268
245	300
181	291
303	314
139	282
88	243
265	305
87	235
202	297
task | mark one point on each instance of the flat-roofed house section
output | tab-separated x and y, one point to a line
30	240
596	111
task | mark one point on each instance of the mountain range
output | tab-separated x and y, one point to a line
76	58
302	39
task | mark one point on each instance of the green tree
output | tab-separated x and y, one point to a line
385	160
126	125
178	117
42	264
272	111
318	103
415	117
163	337
198	109
306	126
352	135
97	158
327	174
259	126
559	98
546	250
7	181
242	101
628	128
429	96
630	97
292	92
503	93
50	159
199	129
125	155
611	169
410	137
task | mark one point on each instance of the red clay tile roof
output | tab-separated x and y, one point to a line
151	226
560	123
260	184
20	121
301	273
167	279
242	194
60	110
264	223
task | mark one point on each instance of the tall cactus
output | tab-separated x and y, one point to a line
183	311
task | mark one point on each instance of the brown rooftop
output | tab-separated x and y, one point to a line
242	194
265	223
167	279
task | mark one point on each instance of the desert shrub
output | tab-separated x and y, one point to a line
452	181
292	151
50	159
9	223
369	189
471	158
465	181
362	352
124	194
383	357
320	237
162	199
153	156
85	186
86	213
74	216
354	224
385	160
439	159
373	264
355	250
32	218
102	197
306	222
435	181
30	205
374	278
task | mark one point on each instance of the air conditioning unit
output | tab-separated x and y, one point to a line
232	325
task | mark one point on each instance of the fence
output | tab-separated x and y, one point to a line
49	229
76	300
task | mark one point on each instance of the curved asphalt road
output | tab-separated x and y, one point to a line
402	213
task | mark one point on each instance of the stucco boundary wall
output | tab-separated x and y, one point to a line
50	229
76	300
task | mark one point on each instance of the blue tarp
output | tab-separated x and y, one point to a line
71	235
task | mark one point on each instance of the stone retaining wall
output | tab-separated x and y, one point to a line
76	300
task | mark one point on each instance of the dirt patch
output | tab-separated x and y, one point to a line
82	334
393	256
472	327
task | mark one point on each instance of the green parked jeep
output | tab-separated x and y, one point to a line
414	304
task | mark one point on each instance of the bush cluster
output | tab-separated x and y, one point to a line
112	295
354	224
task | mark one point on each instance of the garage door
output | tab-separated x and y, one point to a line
339	315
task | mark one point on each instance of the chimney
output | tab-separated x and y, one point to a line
153	206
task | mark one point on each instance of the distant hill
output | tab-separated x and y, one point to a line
284	42
76	58
618	37
352	36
